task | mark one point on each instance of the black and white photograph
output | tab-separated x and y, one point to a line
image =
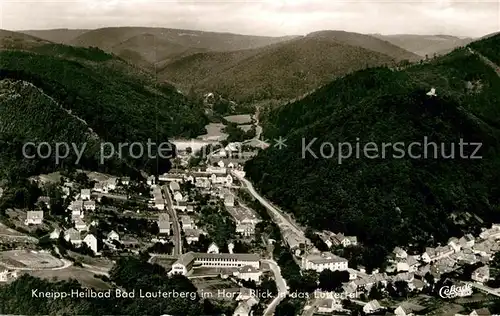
250	158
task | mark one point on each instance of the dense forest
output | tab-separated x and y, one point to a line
117	102
389	201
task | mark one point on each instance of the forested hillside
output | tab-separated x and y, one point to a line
129	274
24	113
390	201
488	47
281	71
118	102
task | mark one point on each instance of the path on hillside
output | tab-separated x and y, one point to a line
68	111
487	61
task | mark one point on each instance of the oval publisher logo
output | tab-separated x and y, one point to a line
455	291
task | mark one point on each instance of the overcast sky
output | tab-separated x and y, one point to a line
264	17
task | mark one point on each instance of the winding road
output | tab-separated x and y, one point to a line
487	61
278	217
280	284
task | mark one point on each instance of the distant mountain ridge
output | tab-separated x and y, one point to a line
426	44
282	71
368	42
60	36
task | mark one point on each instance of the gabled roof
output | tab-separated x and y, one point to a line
73	234
34	215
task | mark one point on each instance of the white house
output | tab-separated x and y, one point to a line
229	180
187	222
73	236
76	208
91	241
400	253
245	219
113	236
192	235
110	184
467	241
228	199
213	248
4	276
322	261
178	196
151	180
125	180
89	205
85	194
349	241
248	273
174	186
164	223
160	204
55	233
372	307
34	218
65	191
80	224
244	308
481	274
454	243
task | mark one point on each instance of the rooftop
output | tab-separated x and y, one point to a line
241	213
325	257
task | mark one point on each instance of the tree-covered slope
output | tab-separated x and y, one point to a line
119	103
281	71
25	113
389	201
489	46
129	274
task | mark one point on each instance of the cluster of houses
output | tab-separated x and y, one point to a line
331	239
8	275
405	267
447	258
203	178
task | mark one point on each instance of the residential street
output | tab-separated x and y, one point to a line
280	284
175	222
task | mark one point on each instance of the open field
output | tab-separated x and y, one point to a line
86	278
216	288
10	233
214	132
96	176
239	119
209	271
246	127
164	262
53	177
97	262
29	260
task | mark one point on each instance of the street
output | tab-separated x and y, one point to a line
175	222
280	284
277	216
